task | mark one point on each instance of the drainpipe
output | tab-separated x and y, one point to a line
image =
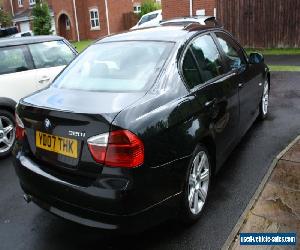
107	18
76	20
191	8
12	8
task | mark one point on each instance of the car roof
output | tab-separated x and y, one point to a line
167	33
14	41
202	20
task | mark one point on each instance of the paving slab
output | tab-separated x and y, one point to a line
277	209
293	154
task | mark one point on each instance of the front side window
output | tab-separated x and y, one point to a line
31	2
51	54
94	19
207	57
115	67
12	60
20	3
234	55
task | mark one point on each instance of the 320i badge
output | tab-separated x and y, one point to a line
134	129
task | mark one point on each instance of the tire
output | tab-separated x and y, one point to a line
7	133
264	104
190	212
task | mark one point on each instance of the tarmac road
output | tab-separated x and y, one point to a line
283	60
25	226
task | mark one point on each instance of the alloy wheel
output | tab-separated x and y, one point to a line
198	182
265	99
7	134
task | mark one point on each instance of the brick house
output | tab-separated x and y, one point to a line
137	4
75	19
180	8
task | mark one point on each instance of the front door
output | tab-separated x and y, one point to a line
249	85
49	58
216	93
17	76
24	26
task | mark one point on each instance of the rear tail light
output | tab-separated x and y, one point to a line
20	129
119	148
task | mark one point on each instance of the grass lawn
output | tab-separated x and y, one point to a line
80	46
276	52
83	44
284	68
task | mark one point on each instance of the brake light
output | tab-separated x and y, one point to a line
119	148
20	129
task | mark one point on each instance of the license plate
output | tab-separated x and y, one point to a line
57	144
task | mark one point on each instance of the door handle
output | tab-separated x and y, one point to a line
44	79
210	103
241	85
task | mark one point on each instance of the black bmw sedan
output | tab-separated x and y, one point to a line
134	129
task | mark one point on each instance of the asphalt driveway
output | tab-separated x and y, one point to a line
25	226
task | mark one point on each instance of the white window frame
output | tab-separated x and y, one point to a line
94	10
137	8
20	3
200	12
32	2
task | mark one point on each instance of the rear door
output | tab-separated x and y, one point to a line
244	75
50	58
217	96
17	76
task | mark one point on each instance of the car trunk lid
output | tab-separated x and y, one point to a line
68	118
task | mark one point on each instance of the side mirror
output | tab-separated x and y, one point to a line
256	58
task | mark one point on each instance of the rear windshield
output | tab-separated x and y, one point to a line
115	66
148	18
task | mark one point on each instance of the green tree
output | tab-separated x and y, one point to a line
5	19
149	6
41	19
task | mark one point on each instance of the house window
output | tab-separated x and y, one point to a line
20	3
31	2
200	12
94	18
68	24
137	8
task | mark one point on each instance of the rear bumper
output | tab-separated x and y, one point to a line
89	205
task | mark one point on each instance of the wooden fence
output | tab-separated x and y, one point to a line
130	19
262	23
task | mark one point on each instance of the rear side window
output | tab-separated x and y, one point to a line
148	18
13	59
208	58
190	70
51	54
116	66
233	53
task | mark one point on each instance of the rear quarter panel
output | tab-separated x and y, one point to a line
165	122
